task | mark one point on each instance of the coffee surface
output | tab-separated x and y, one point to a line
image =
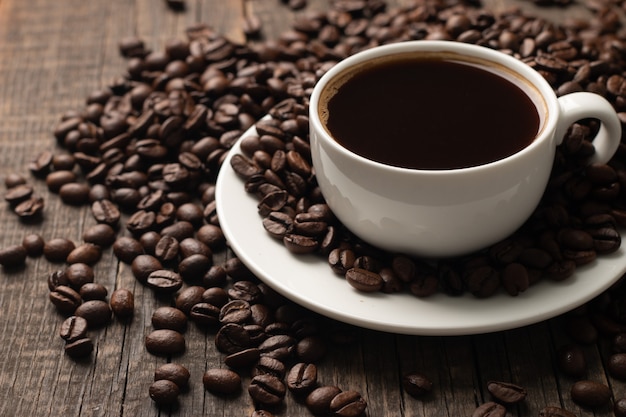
431	114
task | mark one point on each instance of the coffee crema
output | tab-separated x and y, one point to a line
431	111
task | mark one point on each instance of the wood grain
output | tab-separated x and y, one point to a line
52	55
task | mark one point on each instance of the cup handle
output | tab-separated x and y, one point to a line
582	105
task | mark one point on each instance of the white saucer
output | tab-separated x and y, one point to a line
309	281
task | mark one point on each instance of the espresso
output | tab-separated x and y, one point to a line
430	113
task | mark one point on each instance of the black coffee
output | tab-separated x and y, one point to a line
430	113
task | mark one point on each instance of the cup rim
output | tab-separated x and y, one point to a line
517	66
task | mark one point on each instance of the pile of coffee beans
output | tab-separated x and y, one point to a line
145	151
577	220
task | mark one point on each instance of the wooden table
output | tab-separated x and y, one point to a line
52	55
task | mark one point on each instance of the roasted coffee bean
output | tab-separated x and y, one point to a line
267	390
242	359
122	303
216	296
590	394
73	328
57	249
13	256
143	265
212	236
515	278
74	193
483	281
100	234
261	315
169	318
189	297
278	224
235	311
194	267
18	193
33	243
270	366
126	249
300	244
93	291
63	162
164	281
237	270
417	384
166	249
605	240
78	274
96	312
86	253
489	409
318	401
617	366
246	291
348	404
506	392
164	392
192	246
191	213
31	208
278	347
232	338
341	260
302	378
79	348
221	381
364	280
571	360
205	314
180	230
141	222
165	342
310	349
149	240
105	211
13	180
57	278
55	180
174	372
65	299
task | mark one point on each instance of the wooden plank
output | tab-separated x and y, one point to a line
53	55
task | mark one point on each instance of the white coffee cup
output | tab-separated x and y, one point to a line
438	213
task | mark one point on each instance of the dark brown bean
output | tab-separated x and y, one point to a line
165	342
169	318
267	390
302	378
164	392
318	401
506	392
13	256
174	372
122	303
73	328
57	249
221	381
364	280
96	312
348	404
590	393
